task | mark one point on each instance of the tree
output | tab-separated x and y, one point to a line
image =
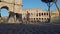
57	6
48	2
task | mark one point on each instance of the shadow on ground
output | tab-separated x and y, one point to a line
29	29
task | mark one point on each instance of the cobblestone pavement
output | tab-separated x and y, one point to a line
29	29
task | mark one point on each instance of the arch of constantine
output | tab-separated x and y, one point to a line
14	6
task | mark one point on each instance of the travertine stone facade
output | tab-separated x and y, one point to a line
13	5
35	14
39	14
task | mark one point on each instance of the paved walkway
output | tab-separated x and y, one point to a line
29	29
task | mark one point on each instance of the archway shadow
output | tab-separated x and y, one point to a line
5	7
13	15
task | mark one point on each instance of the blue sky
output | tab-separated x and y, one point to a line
4	12
37	4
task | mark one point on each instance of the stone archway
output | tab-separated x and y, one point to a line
4	13
4	10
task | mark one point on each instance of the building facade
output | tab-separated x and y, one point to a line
11	5
14	6
38	14
35	14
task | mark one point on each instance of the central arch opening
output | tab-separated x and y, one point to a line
4	11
